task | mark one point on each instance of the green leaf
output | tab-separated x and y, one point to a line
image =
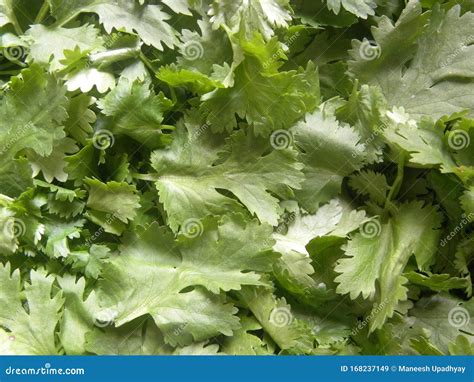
53	166
148	21
437	78
381	251
80	118
445	318
32	325
276	318
118	199
32	111
128	279
243	342
91	262
7	14
424	142
360	8
59	234
372	184
190	175
331	151
140	337
194	81
135	111
251	15
467	202
8	239
79	314
48	44
437	282
256	87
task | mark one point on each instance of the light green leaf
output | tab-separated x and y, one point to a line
251	15
79	314
118	199
370	183
129	279
53	166
189	175
360	8
445	318
267	99
277	320
48	44
135	111
438	77
331	152
381	251
32	325
148	21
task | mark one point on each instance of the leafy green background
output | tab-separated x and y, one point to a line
236	177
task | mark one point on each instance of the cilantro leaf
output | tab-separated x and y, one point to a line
188	180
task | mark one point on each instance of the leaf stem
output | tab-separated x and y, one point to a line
397	183
16	24
110	56
148	177
10	72
147	62
43	12
5	200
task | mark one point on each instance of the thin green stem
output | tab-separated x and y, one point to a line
174	98
16	24
108	57
147	62
148	177
10	72
8	64
43	12
397	183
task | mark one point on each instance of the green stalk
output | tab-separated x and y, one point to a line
43	12
16	24
147	62
147	177
9	72
110	56
396	184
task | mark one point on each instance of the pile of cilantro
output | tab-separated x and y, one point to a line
236	177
